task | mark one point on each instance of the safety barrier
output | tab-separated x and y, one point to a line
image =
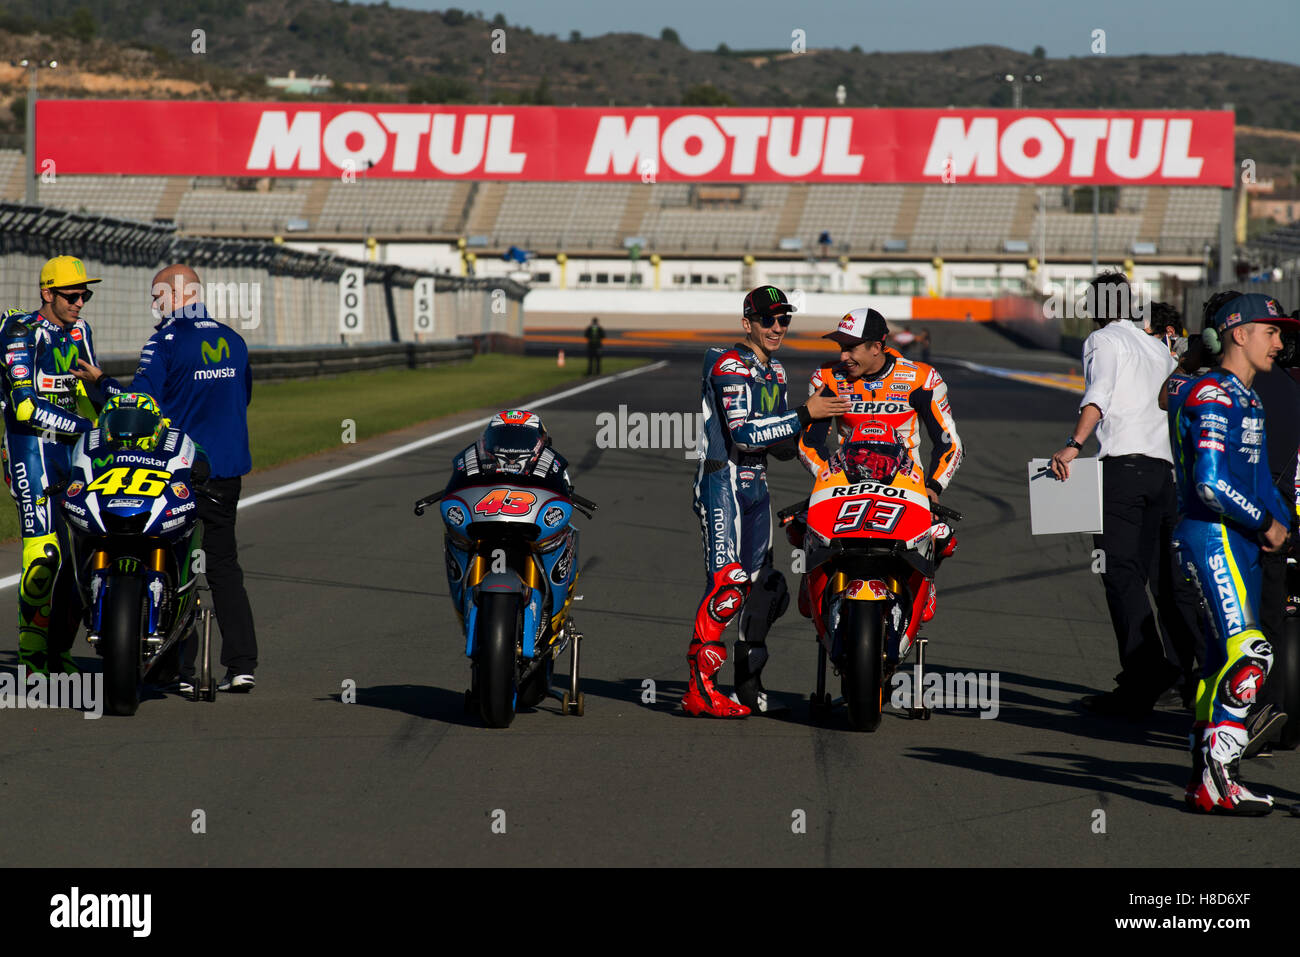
273	295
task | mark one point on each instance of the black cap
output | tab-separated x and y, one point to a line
766	301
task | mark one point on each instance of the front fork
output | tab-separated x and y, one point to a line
153	570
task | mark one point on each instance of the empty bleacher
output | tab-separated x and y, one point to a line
858	217
393	207
130	197
957	218
1191	220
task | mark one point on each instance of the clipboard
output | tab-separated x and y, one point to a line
1060	508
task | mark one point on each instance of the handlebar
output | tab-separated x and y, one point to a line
585	505
945	513
787	514
428	500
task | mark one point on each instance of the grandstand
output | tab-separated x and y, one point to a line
895	235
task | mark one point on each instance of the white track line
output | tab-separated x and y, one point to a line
331	474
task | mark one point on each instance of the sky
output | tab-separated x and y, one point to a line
1267	29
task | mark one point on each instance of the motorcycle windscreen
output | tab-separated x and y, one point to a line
869	510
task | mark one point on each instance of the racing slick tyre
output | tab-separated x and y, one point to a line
862	638
1286	672
499	625
123	626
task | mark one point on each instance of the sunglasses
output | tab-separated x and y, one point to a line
72	298
767	321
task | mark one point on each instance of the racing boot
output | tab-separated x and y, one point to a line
750	658
1215	788
35	660
702	696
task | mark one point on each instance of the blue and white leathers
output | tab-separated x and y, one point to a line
1226	499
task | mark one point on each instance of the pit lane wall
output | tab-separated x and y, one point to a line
1024	319
276	297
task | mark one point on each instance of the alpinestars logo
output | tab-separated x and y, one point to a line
1211	393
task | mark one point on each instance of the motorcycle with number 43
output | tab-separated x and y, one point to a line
135	545
869	534
512	561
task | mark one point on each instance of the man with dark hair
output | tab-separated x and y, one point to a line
1124	370
1230	511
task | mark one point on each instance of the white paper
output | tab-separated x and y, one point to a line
1059	508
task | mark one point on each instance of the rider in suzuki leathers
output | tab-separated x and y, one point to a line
1230	509
744	404
885	387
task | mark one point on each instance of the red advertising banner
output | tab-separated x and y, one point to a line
178	138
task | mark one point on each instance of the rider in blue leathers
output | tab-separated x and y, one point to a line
744	403
1230	509
45	410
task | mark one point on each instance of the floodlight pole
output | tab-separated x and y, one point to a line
1096	226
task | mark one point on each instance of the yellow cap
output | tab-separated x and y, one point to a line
64	271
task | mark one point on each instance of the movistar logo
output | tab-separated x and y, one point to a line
767	402
63	358
100	463
216	354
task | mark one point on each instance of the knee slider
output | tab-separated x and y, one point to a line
40	568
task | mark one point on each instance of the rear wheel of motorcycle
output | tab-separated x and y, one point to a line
119	640
862	638
1286	672
498	632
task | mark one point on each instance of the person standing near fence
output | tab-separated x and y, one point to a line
197	370
595	336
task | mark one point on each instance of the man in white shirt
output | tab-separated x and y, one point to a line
1124	369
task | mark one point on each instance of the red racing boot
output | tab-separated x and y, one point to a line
702	696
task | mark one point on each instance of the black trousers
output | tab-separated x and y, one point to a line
218	503
593	361
1139	507
1272	614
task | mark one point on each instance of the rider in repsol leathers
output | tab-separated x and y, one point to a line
745	415
45	410
1230	509
903	394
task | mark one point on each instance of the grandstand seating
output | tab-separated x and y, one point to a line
670	218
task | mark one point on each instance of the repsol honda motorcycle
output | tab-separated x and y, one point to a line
134	546
512	555
868	535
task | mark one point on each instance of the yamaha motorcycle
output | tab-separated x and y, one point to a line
134	545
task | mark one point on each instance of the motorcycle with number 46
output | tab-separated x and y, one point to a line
135	543
512	565
869	534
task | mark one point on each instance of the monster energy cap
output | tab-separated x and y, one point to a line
766	301
859	325
64	271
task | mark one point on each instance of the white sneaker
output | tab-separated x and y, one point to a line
239	683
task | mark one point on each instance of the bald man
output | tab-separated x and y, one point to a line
197	371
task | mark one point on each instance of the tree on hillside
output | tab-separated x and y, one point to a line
669	35
1040	53
706	94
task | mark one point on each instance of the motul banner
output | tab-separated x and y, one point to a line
176	138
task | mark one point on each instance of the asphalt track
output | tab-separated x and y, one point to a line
347	584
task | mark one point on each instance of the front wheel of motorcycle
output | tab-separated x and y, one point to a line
862	639
498	632
119	641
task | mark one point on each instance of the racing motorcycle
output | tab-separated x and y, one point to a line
1286	664
134	547
868	533
512	548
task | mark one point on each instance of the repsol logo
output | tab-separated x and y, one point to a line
886	408
874	488
1227	597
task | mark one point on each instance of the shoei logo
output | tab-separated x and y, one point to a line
217	353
